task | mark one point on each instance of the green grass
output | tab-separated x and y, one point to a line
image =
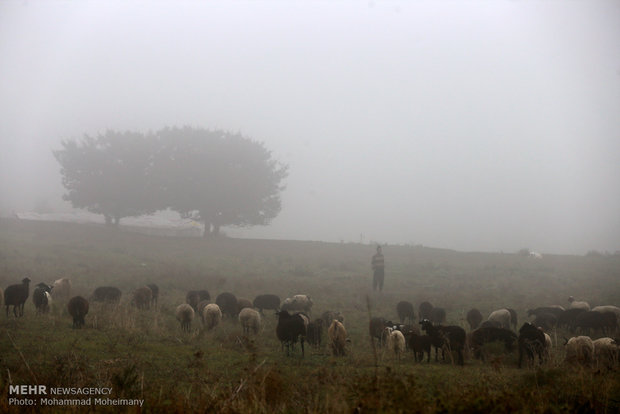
144	354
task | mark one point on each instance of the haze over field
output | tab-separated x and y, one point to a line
467	125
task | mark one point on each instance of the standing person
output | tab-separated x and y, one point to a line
378	265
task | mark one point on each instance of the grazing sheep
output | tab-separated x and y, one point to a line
376	326
513	318
142	297
531	343
555	310
302	303
155	294
490	324
329	316
574	304
568	318
185	315
395	341
250	320
266	301
243	303
404	310
16	295
438	316
445	337
61	289
605	322
419	344
42	298
548	346
290	329
201	307
606	353
474	318
502	316
314	331
78	308
107	294
482	336
211	316
228	304
194	297
579	350
337	335
547	321
424	310
608	309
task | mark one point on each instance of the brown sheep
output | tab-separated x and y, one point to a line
142	297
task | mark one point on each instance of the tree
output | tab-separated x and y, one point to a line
109	174
217	177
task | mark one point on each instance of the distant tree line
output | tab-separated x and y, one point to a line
212	176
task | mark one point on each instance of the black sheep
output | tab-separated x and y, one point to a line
376	327
474	318
155	290
547	321
424	310
568	318
16	295
605	322
194	297
554	310
40	297
290	329
419	344
531	343
78	308
482	336
451	337
108	294
404	310
266	301
227	303
438	315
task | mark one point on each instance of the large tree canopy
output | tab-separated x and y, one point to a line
217	177
213	176
109	174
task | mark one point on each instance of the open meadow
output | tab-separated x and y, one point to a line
144	354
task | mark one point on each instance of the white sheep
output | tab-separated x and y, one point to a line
606	352
502	316
185	315
574	304
211	315
301	303
250	319
395	341
580	350
61	288
337	337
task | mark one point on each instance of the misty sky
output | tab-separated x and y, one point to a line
471	125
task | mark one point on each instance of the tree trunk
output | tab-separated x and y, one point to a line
216	230
108	219
211	230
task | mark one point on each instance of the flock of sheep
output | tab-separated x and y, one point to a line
294	325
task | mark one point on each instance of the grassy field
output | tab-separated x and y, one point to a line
145	355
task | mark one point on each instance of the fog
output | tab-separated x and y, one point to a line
476	126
